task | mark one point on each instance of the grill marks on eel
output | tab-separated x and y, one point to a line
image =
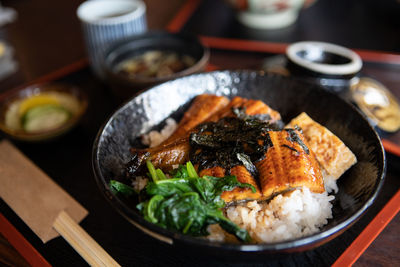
286	164
202	108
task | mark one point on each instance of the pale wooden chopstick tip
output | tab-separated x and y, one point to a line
82	242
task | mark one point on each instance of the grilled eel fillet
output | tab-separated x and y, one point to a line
332	154
253	107
211	108
162	156
203	106
287	165
176	151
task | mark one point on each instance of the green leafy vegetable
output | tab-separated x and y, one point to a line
180	172
156	175
190	169
188	203
150	206
168	187
118	187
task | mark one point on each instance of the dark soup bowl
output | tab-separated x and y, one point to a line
358	187
151	58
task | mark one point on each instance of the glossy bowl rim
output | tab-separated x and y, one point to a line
287	246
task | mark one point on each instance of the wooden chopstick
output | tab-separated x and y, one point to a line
82	242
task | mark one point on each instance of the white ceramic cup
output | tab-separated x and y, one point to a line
269	14
106	21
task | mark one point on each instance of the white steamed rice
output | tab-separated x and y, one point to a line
154	138
287	216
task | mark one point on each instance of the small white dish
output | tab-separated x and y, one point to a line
324	58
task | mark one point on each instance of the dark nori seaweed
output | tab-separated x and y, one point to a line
294	137
231	141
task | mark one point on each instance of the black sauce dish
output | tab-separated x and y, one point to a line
358	187
125	86
329	65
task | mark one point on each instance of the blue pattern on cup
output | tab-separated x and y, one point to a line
100	32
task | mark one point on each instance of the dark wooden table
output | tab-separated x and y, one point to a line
46	36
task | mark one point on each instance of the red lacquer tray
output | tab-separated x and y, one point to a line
341	251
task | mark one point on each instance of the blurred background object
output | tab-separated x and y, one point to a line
106	21
47	35
7	63
267	14
377	103
349	23
7	15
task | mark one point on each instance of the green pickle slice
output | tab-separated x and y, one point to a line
44	118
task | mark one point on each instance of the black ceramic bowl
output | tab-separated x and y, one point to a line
125	86
358	187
